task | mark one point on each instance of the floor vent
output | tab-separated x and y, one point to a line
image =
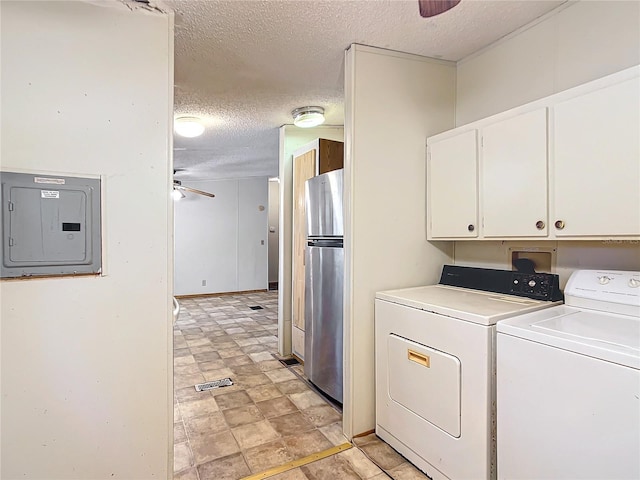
256	307
203	387
289	361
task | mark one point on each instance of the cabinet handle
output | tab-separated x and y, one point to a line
539	224
471	228
559	224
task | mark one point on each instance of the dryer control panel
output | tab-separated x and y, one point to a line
538	286
541	286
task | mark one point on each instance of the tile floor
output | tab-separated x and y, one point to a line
270	416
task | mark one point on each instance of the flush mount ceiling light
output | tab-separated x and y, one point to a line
306	117
188	127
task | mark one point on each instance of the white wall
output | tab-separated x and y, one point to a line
579	43
575	44
86	383
291	138
253	231
274	224
222	241
393	102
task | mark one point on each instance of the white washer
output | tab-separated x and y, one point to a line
435	367
569	384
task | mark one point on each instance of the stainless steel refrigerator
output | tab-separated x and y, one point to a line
324	274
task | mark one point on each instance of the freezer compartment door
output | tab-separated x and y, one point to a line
426	382
323	205
324	272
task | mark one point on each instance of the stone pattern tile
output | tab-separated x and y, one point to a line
270	416
267	418
386	458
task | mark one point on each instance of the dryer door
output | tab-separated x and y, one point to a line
426	382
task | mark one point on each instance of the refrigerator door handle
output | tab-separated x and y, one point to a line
335	242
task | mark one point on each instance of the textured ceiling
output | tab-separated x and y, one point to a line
243	66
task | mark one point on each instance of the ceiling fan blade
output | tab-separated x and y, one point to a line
194	190
431	8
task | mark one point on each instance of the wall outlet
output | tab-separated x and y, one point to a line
204	283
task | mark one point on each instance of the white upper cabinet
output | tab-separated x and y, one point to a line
563	167
514	176
595	166
452	186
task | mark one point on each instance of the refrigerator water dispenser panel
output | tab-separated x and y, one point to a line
50	225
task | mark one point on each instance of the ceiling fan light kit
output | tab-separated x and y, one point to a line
178	187
188	127
177	194
307	117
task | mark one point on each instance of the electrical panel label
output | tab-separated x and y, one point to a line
49	193
55	181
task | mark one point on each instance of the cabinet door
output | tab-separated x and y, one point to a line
330	156
452	202
304	167
514	176
596	163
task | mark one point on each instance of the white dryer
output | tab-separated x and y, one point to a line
435	365
569	384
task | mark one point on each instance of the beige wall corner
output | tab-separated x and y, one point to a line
393	102
86	380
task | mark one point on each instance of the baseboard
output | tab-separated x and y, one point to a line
364	434
219	294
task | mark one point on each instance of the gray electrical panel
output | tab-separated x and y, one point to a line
50	225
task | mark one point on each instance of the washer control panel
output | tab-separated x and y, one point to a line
615	286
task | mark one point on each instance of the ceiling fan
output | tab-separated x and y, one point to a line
431	8
178	187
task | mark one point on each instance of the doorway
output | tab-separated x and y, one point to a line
268	417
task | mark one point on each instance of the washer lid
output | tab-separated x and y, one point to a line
608	336
475	306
